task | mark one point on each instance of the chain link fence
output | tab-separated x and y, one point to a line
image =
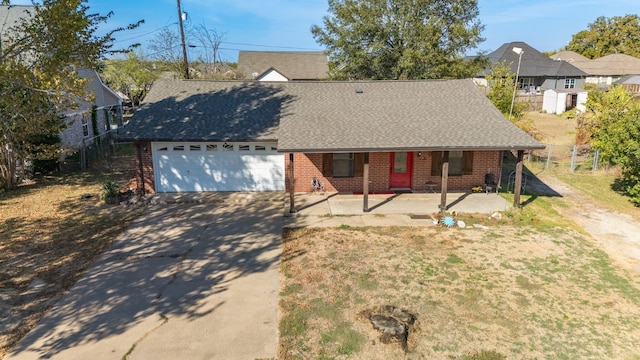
574	158
101	153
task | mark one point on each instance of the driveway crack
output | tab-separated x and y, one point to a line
178	268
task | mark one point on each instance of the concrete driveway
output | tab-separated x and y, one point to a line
185	281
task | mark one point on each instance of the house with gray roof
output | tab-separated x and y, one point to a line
359	137
631	83
283	65
538	73
105	110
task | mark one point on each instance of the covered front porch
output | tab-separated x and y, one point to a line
370	200
331	209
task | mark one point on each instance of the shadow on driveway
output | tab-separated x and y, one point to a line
184	281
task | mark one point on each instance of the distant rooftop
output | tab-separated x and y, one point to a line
294	65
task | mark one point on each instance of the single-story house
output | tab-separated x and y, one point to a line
283	65
359	137
631	83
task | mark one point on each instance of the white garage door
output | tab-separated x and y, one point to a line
188	167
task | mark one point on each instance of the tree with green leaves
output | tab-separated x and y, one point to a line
606	36
401	39
501	87
500	90
615	131
38	81
131	76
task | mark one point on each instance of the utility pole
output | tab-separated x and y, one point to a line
184	46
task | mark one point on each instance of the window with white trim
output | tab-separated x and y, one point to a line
569	83
85	125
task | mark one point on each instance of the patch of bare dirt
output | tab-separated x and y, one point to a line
617	233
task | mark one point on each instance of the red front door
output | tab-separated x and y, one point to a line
401	169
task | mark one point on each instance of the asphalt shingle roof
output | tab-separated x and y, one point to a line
194	110
614	64
328	116
534	63
295	65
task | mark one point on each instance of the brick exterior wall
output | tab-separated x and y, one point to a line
144	169
309	165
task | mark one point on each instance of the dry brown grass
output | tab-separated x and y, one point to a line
49	237
555	129
520	292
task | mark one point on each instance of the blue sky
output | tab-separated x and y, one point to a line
284	24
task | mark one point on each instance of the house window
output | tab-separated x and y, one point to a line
212	147
343	165
195	147
455	163
244	148
526	83
85	125
178	148
569	83
460	163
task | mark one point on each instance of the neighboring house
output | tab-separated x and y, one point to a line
602	72
255	136
283	65
631	83
538	73
107	106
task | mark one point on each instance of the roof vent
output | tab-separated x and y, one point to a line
359	91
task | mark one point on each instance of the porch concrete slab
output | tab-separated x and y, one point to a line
337	221
415	209
408	204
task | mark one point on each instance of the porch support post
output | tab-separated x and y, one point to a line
445	179
292	208
365	185
518	183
